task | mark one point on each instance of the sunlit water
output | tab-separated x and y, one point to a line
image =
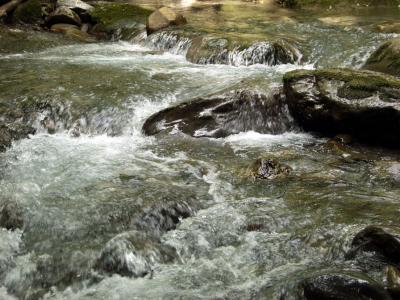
248	239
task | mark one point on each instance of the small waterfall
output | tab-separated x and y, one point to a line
168	41
266	53
205	50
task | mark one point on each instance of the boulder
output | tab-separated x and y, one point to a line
83	9
132	254
215	50
223	116
162	18
343	287
29	12
11	216
63	15
376	240
163	217
386	58
363	104
266	168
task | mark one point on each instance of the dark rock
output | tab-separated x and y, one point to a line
63	15
162	18
375	239
11	216
132	254
83	9
269	169
12	132
361	103
386	58
342	287
163	217
222	116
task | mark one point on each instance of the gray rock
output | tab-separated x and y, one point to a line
222	116
133	254
63	15
163	18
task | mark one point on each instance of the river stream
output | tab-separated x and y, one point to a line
246	238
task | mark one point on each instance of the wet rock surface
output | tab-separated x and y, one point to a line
222	116
13	132
361	103
63	15
164	217
376	240
133	254
343	287
386	58
11	216
266	168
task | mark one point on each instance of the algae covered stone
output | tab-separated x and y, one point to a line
114	15
386	58
363	104
29	12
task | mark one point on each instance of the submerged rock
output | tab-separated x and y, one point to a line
163	217
388	27
133	254
62	28
376	240
386	58
13	132
11	216
343	287
63	15
269	169
112	17
162	18
222	116
363	104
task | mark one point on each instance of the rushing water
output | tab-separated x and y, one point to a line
246	239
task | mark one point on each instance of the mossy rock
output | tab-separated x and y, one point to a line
335	3
386	58
29	12
115	15
388	27
364	104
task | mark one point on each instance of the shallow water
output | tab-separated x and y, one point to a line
248	239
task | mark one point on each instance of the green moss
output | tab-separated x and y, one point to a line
386	58
29	12
336	3
111	15
362	80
